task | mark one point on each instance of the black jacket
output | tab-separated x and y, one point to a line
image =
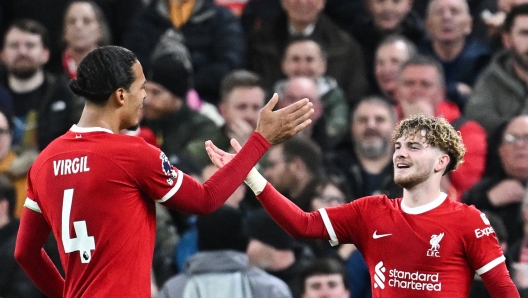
213	36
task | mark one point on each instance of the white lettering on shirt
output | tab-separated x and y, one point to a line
484	232
70	166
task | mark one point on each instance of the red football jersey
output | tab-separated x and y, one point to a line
96	190
429	251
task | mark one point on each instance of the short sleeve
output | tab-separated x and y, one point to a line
480	242
155	175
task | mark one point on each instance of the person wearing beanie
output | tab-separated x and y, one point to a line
178	128
221	267
273	250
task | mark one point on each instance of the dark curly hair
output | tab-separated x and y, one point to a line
439	134
102	72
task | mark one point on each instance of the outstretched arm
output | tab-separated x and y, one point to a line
290	217
29	253
498	282
273	127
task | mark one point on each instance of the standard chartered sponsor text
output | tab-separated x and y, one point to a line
414	280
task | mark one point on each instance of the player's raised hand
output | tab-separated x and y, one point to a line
278	126
218	156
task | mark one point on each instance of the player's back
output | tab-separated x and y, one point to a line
85	184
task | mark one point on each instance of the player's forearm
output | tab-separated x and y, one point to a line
42	272
204	199
499	283
29	253
290	217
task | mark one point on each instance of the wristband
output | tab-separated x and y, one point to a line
255	181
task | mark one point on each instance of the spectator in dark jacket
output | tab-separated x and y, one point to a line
211	33
344	55
385	18
463	58
44	106
502	191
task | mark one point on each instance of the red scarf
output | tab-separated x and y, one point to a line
69	64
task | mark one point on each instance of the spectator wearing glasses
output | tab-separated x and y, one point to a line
502	191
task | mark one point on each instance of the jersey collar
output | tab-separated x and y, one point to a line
424	208
79	129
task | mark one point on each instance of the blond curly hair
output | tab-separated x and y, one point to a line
438	133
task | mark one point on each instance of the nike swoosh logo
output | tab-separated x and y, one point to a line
376	236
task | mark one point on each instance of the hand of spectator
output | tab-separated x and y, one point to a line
506	192
345	250
520	275
240	130
494	21
278	126
463	89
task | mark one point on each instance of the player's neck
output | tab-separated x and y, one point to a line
421	194
95	116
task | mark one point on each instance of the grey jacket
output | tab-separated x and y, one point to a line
238	279
498	95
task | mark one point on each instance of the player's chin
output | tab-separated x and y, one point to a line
134	127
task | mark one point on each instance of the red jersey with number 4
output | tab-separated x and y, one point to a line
94	189
429	251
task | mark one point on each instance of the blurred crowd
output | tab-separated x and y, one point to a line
211	65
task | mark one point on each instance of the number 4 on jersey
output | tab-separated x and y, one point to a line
83	243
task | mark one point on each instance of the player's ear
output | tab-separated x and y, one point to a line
120	96
442	162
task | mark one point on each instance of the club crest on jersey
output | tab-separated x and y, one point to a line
435	245
167	168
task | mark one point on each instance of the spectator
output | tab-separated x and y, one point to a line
333	191
502	191
179	129
344	56
211	33
276	252
44	107
188	245
50	14
385	17
13	280
13	165
518	252
298	88
295	167
241	98
85	28
463	58
325	278
366	159
221	268
391	53
163	262
500	92
303	56
421	90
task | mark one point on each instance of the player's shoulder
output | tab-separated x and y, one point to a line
462	208
466	215
378	200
